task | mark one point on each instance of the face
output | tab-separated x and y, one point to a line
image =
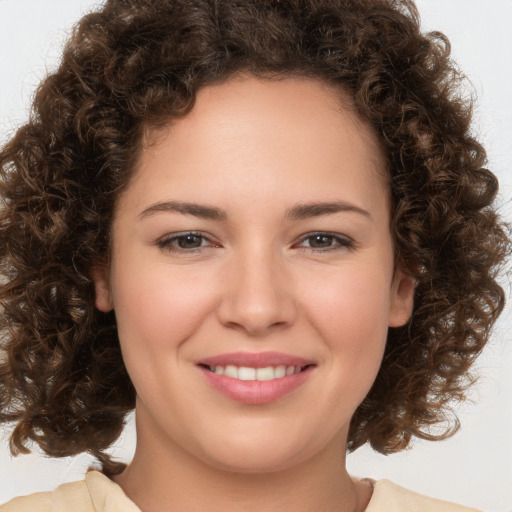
253	276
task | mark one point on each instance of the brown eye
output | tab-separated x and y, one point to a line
185	242
189	241
321	241
326	242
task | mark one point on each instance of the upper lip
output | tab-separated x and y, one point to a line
255	360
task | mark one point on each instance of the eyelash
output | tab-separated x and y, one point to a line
168	243
342	242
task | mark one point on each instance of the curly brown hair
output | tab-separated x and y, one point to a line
136	64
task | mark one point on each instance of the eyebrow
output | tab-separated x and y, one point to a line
298	212
197	210
307	210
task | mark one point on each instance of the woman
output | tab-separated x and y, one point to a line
264	225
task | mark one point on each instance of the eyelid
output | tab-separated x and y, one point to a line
344	242
165	242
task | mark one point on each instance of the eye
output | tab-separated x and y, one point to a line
322	242
185	242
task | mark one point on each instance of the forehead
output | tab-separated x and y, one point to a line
299	130
304	101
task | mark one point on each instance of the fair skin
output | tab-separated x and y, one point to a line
248	267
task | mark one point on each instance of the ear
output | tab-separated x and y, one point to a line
402	298
103	298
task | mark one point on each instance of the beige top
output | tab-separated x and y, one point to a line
97	493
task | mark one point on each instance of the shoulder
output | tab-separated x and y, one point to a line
72	496
96	493
389	497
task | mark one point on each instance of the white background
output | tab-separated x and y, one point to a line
474	467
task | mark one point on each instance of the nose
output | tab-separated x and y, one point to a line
258	296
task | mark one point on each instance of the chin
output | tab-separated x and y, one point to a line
254	463
254	455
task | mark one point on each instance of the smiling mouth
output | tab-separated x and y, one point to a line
247	373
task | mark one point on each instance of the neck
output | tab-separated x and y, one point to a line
165	477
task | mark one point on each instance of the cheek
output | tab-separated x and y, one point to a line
158	308
350	309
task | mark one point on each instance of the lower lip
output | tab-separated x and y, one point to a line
256	392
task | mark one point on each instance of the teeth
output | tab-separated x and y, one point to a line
266	373
231	371
247	373
280	372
